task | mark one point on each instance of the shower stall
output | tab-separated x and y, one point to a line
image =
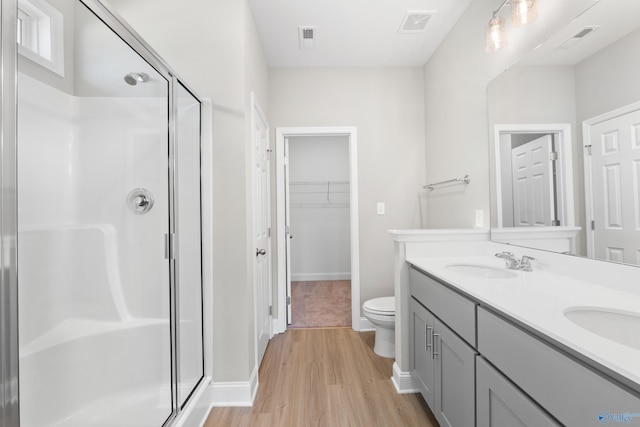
102	273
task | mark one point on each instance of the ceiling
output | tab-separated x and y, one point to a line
611	19
351	33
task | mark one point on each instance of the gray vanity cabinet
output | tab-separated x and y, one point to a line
519	378
455	378
501	404
575	394
421	330
443	363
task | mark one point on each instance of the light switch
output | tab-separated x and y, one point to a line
380	208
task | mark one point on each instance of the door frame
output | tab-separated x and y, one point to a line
588	168
564	175
280	322
257	113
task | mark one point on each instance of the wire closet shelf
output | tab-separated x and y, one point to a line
319	194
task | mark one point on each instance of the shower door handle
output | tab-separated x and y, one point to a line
260	252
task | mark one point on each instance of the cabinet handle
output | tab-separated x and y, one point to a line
428	333
435	353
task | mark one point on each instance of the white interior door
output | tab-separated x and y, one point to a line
615	160
261	227
532	175
287	221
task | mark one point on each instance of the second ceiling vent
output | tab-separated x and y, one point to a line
578	37
307	37
415	21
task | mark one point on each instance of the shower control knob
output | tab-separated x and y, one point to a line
140	200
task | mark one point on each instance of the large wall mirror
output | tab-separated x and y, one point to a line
564	128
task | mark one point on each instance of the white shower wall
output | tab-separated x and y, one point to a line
73	143
320	249
93	275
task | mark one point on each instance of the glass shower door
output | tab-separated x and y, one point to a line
94	278
189	260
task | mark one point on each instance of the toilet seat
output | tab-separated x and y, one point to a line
385	306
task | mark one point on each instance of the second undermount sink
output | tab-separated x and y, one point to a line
616	325
483	271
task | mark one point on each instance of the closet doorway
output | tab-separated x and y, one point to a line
318	282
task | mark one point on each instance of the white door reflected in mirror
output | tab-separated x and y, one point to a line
534	184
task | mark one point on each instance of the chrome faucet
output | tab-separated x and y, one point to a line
524	264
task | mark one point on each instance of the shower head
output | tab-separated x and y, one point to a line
133	78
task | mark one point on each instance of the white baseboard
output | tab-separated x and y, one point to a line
237	393
196	411
315	277
276	326
366	325
403	381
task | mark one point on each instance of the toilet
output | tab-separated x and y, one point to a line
382	313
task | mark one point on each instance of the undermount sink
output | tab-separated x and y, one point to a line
616	325
484	271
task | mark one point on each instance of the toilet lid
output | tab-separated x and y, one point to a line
384	305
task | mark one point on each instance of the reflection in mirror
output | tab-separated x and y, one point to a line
534	170
581	87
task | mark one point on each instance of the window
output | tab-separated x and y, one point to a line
40	35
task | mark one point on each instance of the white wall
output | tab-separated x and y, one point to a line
456	79
320	249
386	106
79	143
609	79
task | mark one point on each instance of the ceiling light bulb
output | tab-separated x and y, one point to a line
523	12
496	36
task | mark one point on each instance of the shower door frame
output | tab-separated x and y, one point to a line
9	339
9	398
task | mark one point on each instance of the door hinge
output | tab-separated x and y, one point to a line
270	310
553	156
269	232
286	161
288	300
588	147
555	222
593	225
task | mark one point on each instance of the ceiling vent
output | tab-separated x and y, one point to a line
576	38
307	37
415	21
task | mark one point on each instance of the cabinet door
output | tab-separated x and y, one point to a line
501	404
422	350
455	379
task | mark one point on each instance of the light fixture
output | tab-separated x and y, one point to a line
522	13
496	37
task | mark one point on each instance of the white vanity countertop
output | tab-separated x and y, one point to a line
539	298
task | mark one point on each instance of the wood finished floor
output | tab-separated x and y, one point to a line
325	377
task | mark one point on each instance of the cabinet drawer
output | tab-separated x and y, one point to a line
568	390
458	312
499	403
